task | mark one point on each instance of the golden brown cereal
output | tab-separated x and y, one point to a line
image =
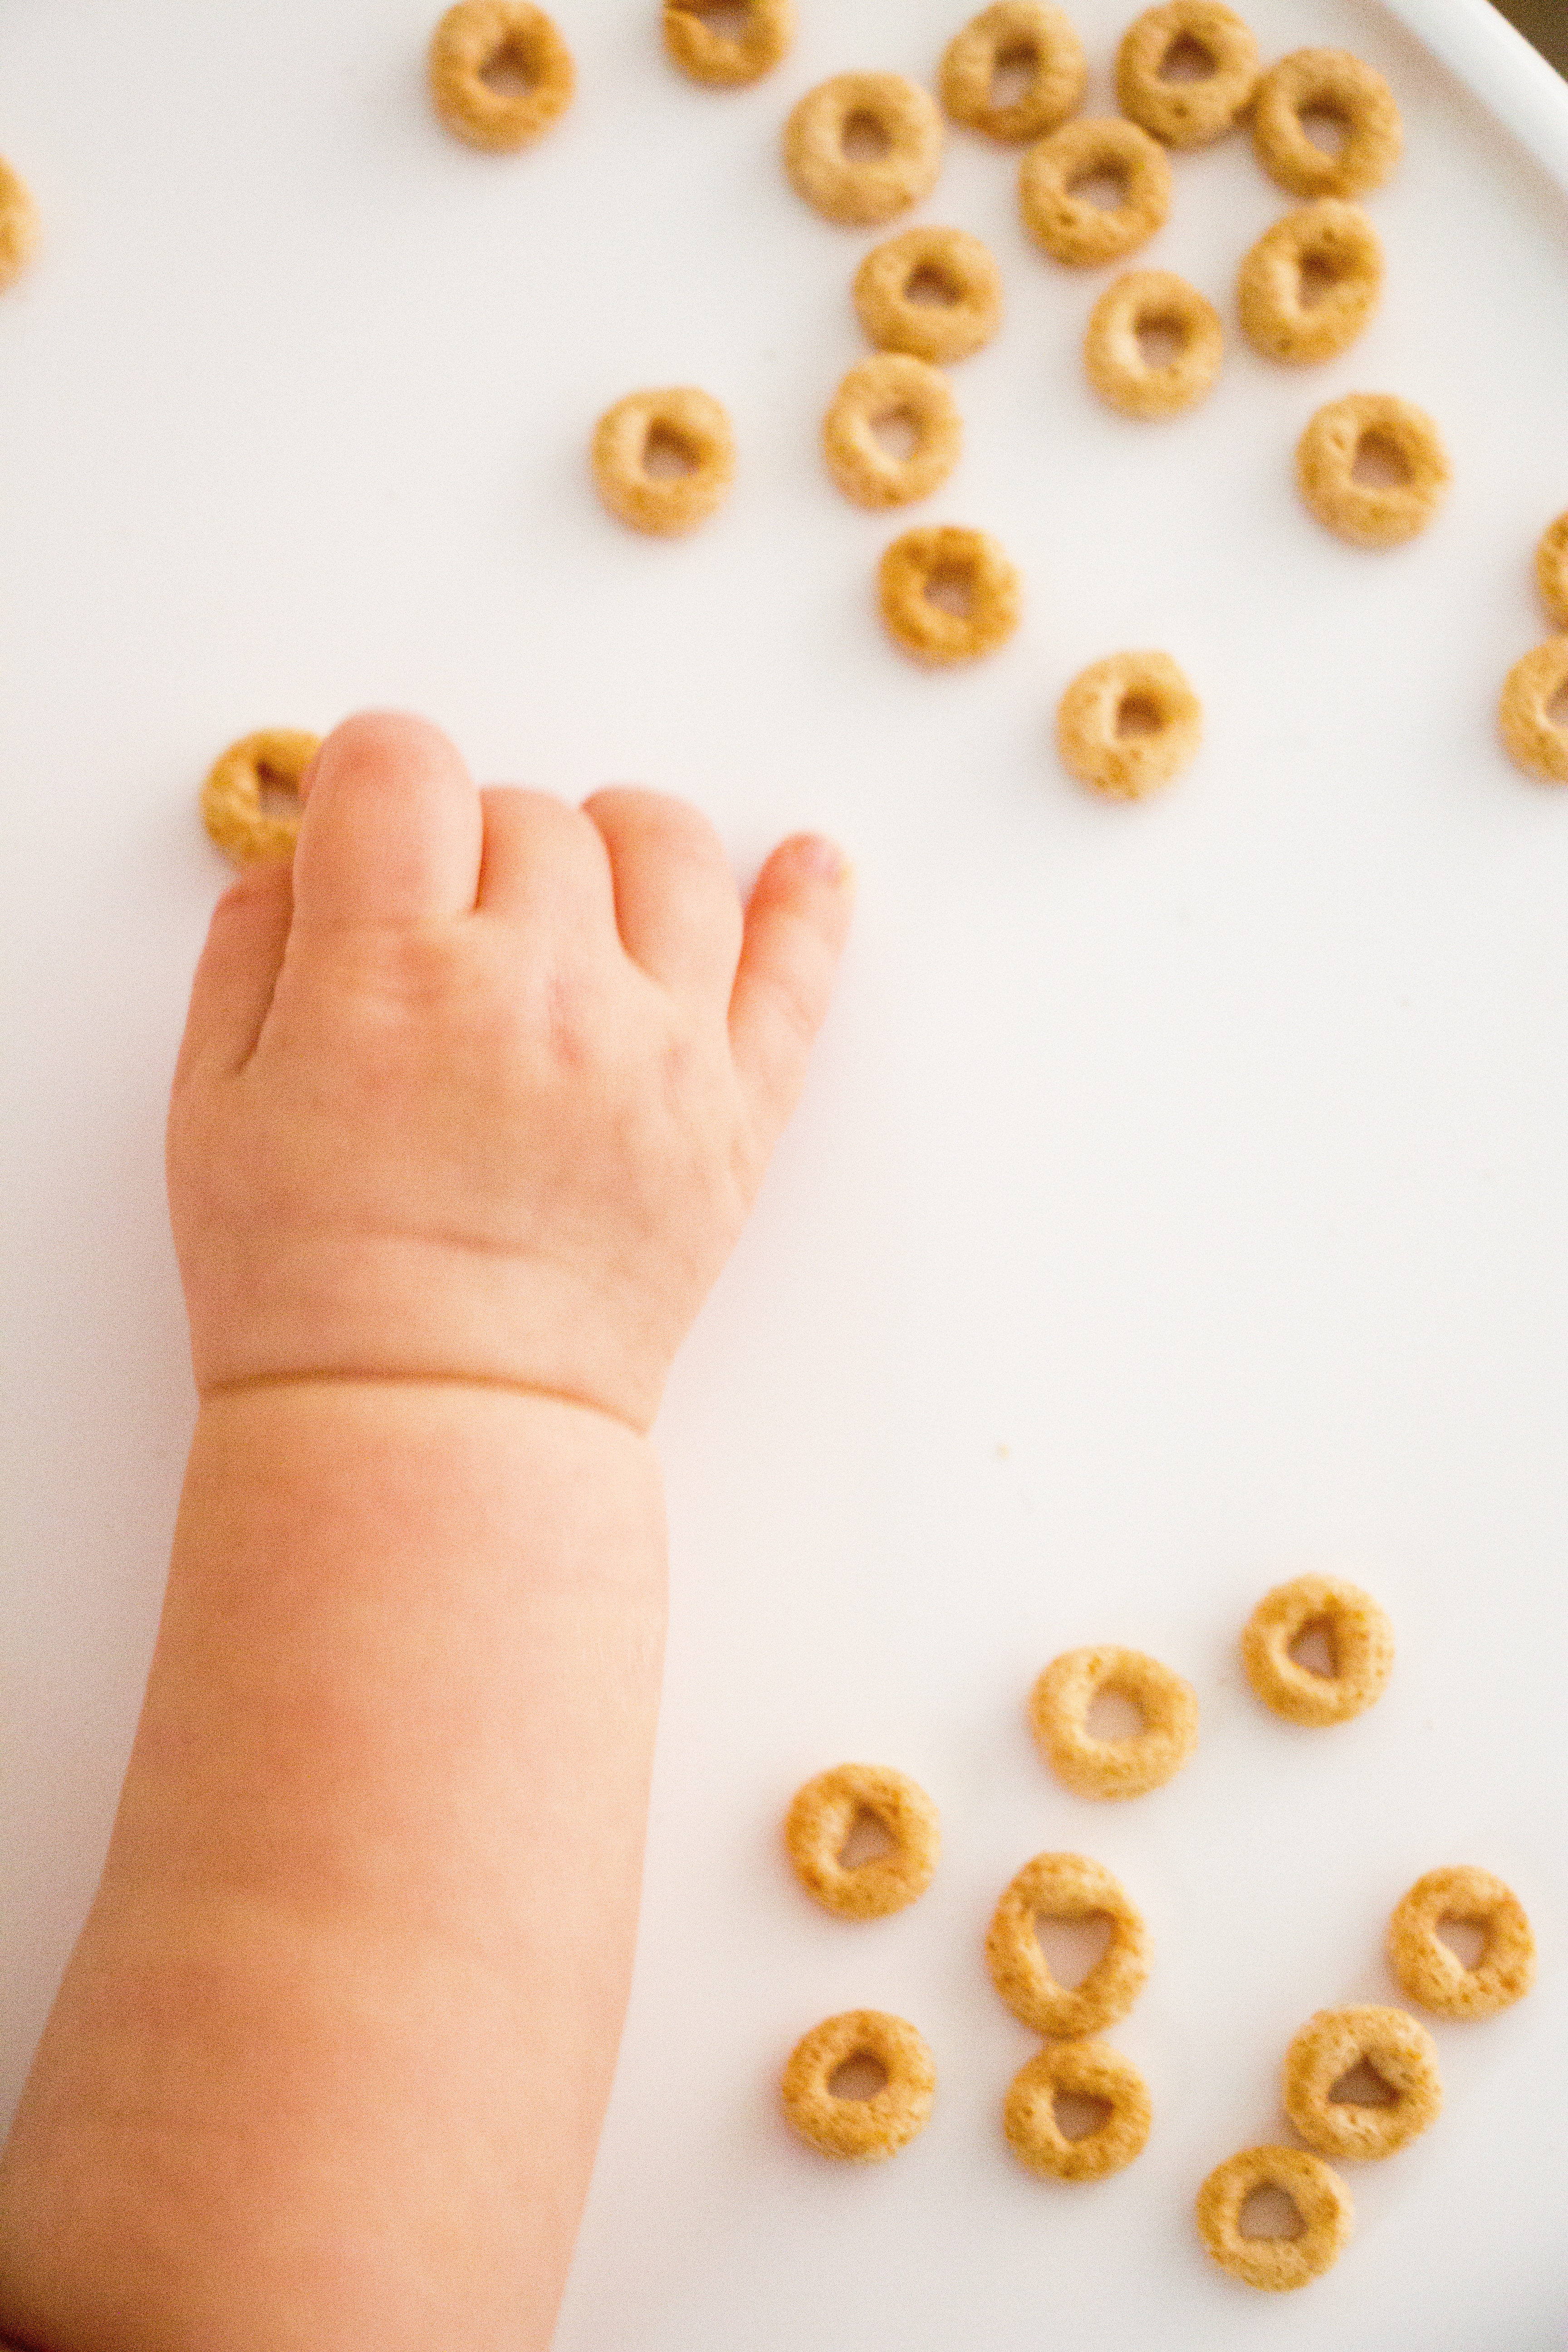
1071	227
1068	1688
891	388
1401	2052
823	1813
1152	302
18	223
901	128
1537	740
948	595
1082	2070
1276	2263
1015	35
728	61
1434	1974
1552	569
688	426
1360	1640
1400	441
865	2130
1332	84
1065	1887
952	266
480	38
274	759
1311	282
1127	724
1186	111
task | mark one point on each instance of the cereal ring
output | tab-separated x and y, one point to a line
18	223
1152	302
1068	1687
1360	1640
1073	228
1401	440
946	264
865	2130
1535	739
1187	112
896	118
1127	724
1065	1887
971	567
1434	1974
1083	2069
728	61
1013	35
272	760
1330	83
687	425
893	388
1311	282
1276	2263
1399	2050
821	1817
480	38
1552	569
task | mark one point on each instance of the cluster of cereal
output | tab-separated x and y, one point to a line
829	1813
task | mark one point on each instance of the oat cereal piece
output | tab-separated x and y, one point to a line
728	61
894	116
825	1813
864	2130
1188	112
891	388
1332	84
18	223
1552	569
1432	1973
1071	227
947	264
480	38
1535	741
1277	2264
1015	36
1361	1644
687	425
1404	443
1311	282
1401	2052
1068	1687
925	567
272	760
1081	2070
1129	724
1065	1887
1152	302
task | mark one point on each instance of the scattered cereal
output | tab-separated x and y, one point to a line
1360	1640
1432	1972
687	428
1350	95
1400	441
1153	303
865	2130
481	37
891	390
1552	569
1129	724
1079	2070
1071	1887
1068	1688
1535	739
901	130
1072	227
1015	36
1275	2263
1311	282
1186	110
948	266
724	59
18	223
826	1810
1330	2046
948	595
272	760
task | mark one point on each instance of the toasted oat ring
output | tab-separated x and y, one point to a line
1083	2069
821	1817
723	60
1333	83
1536	740
1276	2263
947	262
948	555
1552	569
275	758
693	426
1014	33
865	2130
1360	1639
1373	514
1071	228
1186	113
1401	2052
1433	1974
1328	251
1068	1687
863	190
1147	695
1065	1887
474	38
18	223
1132	305
891	386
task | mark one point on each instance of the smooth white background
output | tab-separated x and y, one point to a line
1178	1199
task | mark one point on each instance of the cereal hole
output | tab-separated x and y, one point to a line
1103	185
1079	2118
1136	714
866	1840
1110	1715
1269	2212
1326	128
897	433
861	2076
952	589
1465	1938
1313	1649
932	286
667	456
1557	708
275	795
1072	1948
1380	463
509	73
1161	341
1186	61
1317	275
865	139
727	20
1013	75
1362	2085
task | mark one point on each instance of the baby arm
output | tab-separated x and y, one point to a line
469	1111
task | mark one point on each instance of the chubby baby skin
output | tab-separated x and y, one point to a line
472	1102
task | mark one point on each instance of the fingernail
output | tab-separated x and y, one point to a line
825	859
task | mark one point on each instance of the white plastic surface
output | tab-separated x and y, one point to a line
1178	1202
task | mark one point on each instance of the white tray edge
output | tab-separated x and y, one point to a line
1480	44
